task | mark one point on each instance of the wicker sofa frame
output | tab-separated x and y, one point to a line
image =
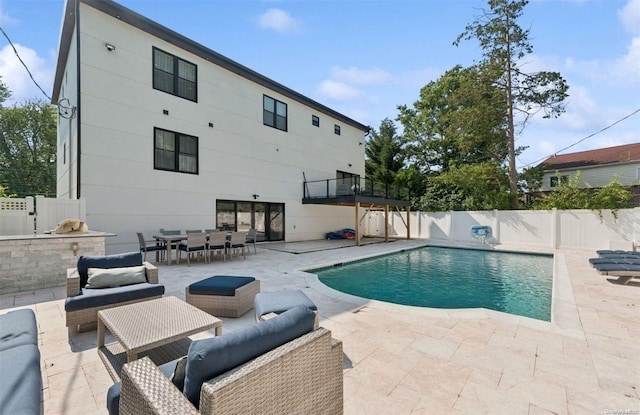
303	376
87	319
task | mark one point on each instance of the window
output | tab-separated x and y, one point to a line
274	113
553	180
336	129
174	75
175	152
315	120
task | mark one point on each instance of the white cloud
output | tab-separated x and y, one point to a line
339	91
15	76
6	20
359	76
278	20
627	68
630	16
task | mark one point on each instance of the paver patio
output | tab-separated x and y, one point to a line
407	360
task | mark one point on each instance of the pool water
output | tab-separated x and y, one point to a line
437	277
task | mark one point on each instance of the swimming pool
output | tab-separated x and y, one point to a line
437	277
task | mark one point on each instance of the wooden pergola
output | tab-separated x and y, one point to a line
368	203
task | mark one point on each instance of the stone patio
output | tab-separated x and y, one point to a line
407	360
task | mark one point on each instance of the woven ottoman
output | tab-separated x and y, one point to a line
223	295
270	304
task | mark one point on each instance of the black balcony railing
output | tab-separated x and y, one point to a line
354	186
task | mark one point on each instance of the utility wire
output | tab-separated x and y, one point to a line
580	141
23	64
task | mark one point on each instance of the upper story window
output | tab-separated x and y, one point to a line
336	129
315	120
175	152
174	75
274	113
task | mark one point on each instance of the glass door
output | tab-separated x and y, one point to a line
266	218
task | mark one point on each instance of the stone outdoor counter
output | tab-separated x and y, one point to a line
30	262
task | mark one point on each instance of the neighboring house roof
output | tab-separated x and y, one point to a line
609	155
128	16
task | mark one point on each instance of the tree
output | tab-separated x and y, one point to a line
5	93
504	43
384	154
28	147
457	120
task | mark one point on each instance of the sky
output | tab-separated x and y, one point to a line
363	58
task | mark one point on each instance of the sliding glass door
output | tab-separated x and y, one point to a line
266	218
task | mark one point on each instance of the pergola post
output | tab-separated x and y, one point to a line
386	223
408	222
357	224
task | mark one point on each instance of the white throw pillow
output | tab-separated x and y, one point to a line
115	277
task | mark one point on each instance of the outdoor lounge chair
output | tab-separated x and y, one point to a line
624	272
609	252
614	260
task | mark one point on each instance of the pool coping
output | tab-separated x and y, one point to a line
564	312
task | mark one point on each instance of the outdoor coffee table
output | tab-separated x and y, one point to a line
156	328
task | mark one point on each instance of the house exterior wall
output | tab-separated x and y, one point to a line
597	176
238	157
67	155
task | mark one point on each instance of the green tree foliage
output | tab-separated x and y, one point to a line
384	154
27	147
504	45
456	121
569	195
480	186
3	193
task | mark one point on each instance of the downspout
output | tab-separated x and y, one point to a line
78	106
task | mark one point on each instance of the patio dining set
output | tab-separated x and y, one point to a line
195	242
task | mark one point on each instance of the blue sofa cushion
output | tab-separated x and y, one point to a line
91	298
18	328
130	259
21	380
224	285
209	358
280	301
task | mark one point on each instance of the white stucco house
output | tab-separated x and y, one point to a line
158	131
597	167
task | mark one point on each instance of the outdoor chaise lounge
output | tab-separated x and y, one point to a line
609	252
279	366
624	272
614	260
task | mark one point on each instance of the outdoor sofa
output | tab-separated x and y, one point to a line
278	366
100	282
21	380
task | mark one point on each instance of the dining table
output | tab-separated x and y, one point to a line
169	241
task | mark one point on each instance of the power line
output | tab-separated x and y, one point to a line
589	136
23	64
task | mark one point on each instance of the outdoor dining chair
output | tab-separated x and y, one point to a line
252	235
196	243
154	247
217	243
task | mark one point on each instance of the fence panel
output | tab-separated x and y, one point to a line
16	216
52	211
26	216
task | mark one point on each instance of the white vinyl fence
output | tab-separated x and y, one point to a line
35	215
563	229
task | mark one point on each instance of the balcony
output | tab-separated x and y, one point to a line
350	191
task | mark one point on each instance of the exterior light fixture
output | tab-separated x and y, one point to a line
109	47
74	247
255	197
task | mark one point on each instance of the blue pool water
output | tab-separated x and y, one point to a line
451	278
